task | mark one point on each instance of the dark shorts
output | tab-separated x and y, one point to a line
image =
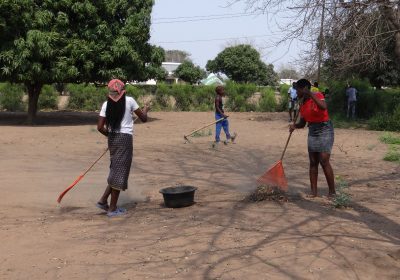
293	104
320	137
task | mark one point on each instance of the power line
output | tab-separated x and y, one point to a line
206	19
204	16
209	40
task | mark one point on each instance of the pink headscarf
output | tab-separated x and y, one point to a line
117	89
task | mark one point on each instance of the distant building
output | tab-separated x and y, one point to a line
287	81
171	67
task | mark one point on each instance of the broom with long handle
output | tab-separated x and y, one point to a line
80	177
207	125
275	176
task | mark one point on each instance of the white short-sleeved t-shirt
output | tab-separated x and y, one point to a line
293	93
127	121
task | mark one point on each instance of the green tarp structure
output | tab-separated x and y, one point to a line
212	79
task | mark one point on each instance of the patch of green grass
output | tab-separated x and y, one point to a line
393	154
393	141
343	122
342	198
390	138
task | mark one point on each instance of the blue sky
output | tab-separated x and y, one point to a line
189	25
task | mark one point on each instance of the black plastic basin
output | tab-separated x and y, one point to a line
175	197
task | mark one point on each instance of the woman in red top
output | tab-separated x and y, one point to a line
314	111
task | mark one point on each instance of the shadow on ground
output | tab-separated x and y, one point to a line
56	118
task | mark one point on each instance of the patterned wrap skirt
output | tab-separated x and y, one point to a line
320	137
121	151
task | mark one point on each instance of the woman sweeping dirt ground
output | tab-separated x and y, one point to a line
314	111
115	122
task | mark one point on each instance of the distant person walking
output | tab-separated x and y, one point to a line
351	94
220	114
292	94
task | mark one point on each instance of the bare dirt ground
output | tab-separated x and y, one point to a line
221	236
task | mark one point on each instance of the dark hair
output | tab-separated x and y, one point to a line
114	113
316	84
218	89
302	83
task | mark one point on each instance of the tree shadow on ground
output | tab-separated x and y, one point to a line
258	238
55	118
280	223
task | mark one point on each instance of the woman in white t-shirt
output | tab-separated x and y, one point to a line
116	122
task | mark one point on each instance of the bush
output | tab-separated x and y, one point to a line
386	121
86	97
394	149
135	91
370	102
163	93
11	97
268	101
203	99
284	98
178	97
389	138
48	98
238	95
393	154
183	95
342	198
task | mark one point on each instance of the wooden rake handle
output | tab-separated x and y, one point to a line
207	125
290	134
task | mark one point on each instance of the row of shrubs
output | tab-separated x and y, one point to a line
380	107
178	97
163	96
12	97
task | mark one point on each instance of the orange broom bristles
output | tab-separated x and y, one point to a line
275	177
70	187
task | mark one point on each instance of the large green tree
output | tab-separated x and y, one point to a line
242	63
189	72
43	42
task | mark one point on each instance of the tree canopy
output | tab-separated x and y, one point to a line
44	42
189	72
176	56
288	73
354	36
242	63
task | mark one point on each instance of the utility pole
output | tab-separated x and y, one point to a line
321	41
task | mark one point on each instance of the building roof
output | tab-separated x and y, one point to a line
170	66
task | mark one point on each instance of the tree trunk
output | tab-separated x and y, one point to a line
33	93
397	46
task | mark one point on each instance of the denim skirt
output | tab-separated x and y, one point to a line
320	137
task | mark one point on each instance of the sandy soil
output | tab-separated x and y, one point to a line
221	236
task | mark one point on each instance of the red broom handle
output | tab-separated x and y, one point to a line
79	178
